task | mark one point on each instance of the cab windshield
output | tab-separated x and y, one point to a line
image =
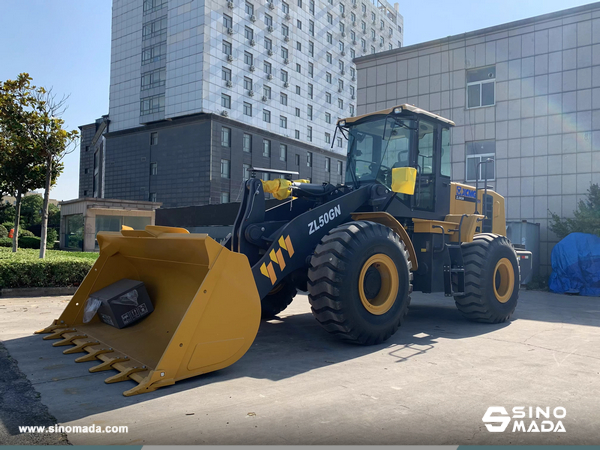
375	147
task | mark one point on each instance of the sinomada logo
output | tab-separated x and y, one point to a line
527	419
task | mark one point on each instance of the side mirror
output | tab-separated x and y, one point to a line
404	179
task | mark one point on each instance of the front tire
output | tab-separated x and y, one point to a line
360	282
492	279
278	299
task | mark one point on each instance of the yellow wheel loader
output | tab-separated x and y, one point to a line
360	248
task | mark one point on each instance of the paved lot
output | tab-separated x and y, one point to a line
430	383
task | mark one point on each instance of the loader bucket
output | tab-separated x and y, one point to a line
206	308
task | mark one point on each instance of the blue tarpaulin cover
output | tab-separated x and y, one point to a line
576	265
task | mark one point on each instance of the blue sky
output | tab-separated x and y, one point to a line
65	44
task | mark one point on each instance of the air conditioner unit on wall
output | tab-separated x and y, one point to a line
224	113
252	42
251	93
271	5
270	28
270	53
269	77
229	30
229	83
229	58
252	68
264	98
253	18
286	84
230	5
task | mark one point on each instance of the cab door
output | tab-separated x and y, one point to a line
426	165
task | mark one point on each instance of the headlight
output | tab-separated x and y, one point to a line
342	123
398	110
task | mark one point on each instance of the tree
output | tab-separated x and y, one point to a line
21	161
7	212
31	207
586	218
54	143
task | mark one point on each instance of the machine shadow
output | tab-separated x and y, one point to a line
285	347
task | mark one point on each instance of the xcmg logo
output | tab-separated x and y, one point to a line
525	419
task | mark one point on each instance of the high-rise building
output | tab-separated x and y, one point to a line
200	90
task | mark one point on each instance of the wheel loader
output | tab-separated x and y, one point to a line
397	224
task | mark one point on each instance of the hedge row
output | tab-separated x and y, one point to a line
31	241
59	269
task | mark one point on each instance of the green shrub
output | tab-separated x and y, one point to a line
5	242
25	233
29	242
51	237
3	232
59	269
8	225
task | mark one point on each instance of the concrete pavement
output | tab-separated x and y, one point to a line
431	383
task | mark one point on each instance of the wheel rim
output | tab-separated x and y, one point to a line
504	280
378	284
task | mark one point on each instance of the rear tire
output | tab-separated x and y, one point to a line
492	279
278	299
360	282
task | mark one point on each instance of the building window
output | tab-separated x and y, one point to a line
249	7
298	68
284	76
327	118
152	105
268	44
342	27
154	138
154	79
248	58
341	46
152	197
85	171
477	152
311	7
311	27
285	31
352	110
298	24
268	68
297	112
227	48
372	49
329	19
310	91
225	101
363	26
328	97
285	7
311	48
329	38
247	83
247	143
227	21
311	69
327	164
352	53
340	85
224	197
282	152
339	142
267	92
309	112
225	74
328	58
153	5
283	121
340	167
284	53
268	20
266	148
327	138
481	86
248	33
328	77
309	159
246	171
283	98
298	46
226	137
340	103
248	109
297	134
353	18
309	134
225	173
154	28
266	115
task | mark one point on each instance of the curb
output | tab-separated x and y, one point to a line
37	292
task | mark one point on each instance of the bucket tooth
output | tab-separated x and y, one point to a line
80	347
124	375
107	365
93	353
69	338
58	333
49	329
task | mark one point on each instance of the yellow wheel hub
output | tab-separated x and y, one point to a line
378	284
504	280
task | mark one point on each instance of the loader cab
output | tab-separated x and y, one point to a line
404	136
